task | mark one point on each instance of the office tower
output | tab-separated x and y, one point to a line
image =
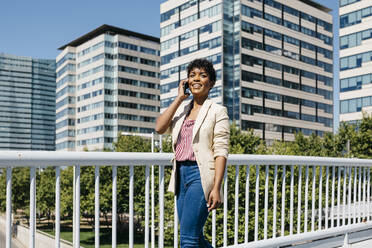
355	59
107	83
27	103
273	60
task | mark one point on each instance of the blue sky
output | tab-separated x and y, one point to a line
37	28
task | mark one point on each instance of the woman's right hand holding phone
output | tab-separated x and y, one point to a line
164	120
181	90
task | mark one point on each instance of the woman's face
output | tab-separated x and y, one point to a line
199	83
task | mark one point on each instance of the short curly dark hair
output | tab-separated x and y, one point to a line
203	64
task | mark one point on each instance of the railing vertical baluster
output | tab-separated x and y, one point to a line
225	209
282	230
236	220
326	198
58	205
8	207
349	196
306	197
338	195
175	234
299	192
364	194
355	193
131	232
275	199
291	202
32	207
152	207
114	204
147	202
320	197
161	206
313	200
152	195
333	197
266	199
77	207
256	202
368	194
96	207
213	228
74	206
246	213
344	200
359	194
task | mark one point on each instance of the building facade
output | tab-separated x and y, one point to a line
27	103
273	60
355	59
107	83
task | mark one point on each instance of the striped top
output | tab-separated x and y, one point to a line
184	149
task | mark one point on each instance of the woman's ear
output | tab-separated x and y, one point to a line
210	84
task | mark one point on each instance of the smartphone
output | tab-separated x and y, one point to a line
186	89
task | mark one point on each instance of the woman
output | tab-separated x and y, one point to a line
200	134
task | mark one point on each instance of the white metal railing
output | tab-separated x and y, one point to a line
342	205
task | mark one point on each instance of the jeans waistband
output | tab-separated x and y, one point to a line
187	163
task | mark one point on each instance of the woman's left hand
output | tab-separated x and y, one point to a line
214	200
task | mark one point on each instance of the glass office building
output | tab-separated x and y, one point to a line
27	103
107	83
273	60
355	59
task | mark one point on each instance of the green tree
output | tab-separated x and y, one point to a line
355	140
45	193
67	178
364	138
20	191
245	142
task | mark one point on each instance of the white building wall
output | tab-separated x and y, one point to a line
103	84
365	89
174	33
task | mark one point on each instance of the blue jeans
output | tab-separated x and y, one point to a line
191	206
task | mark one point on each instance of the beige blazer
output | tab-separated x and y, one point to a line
210	139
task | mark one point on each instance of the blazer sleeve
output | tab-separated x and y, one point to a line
174	119
221	134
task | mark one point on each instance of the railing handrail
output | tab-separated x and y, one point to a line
305	237
64	158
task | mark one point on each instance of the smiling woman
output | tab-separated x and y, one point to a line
200	134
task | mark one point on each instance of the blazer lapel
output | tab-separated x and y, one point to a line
201	116
178	123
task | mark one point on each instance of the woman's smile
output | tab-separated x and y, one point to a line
196	85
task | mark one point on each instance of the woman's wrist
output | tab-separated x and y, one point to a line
217	187
178	99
